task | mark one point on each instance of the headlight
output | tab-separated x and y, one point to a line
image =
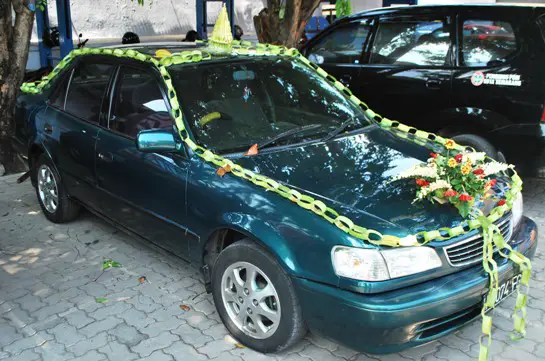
517	209
374	265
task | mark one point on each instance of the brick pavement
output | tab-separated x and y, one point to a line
50	278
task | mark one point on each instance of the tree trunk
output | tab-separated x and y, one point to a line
288	30
14	44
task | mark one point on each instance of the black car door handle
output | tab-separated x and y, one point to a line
48	128
433	83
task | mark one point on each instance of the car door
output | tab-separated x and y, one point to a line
144	192
408	68
339	50
71	124
498	71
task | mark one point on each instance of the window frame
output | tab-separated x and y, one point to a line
114	92
58	87
449	58
488	16
330	30
91	60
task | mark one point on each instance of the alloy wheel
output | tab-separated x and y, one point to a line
251	300
47	189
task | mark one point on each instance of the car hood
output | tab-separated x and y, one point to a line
353	175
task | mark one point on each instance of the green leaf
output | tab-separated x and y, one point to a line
102	300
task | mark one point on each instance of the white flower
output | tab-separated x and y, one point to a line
439	184
495	167
422	171
474	157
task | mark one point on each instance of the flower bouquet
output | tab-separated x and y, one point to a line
454	177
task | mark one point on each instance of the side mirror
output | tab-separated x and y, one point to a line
156	140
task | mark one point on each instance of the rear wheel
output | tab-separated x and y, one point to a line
480	144
255	298
54	201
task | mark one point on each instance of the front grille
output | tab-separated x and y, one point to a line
431	329
470	250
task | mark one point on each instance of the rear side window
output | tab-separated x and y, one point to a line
421	43
485	42
59	95
138	104
86	90
343	45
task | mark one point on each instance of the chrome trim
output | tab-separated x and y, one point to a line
503	225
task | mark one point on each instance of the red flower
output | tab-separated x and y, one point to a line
450	193
501	202
458	158
465	198
422	182
478	171
491	183
434	155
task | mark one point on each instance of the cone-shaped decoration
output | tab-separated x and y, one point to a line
221	35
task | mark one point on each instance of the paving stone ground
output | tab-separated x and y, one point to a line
50	278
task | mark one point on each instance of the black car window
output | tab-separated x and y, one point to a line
421	43
59	94
485	41
342	45
86	90
231	105
138	104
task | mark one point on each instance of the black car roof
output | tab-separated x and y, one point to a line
425	9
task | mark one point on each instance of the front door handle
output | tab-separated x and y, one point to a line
48	128
106	157
434	83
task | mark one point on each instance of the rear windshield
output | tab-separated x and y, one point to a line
231	105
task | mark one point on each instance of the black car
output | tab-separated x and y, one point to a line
471	72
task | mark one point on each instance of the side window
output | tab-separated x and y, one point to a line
59	94
485	41
421	43
138	104
343	45
86	90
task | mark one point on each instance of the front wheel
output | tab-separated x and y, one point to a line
255	298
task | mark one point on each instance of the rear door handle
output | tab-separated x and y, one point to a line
48	128
434	83
106	157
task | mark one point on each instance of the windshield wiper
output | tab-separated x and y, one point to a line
287	133
339	129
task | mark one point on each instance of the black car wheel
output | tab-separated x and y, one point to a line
55	203
480	145
255	298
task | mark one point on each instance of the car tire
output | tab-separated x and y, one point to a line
268	324
480	144
53	199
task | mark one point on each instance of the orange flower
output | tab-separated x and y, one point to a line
466	168
434	155
450	144
422	182
465	198
452	163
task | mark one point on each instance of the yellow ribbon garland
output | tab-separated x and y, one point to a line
491	233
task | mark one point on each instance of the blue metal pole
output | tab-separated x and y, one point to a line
65	27
42	25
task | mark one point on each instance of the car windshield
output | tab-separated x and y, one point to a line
233	104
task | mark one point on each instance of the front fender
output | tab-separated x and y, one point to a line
471	119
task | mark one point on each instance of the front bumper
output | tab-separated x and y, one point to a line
396	320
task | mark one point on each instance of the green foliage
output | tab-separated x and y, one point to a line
109	264
343	8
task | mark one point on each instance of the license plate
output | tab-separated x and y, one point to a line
506	288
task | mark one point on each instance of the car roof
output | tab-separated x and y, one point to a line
151	47
418	9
